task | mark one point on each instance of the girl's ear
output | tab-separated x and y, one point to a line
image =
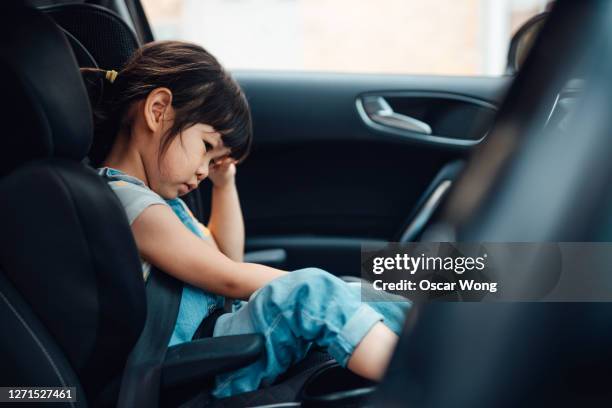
157	107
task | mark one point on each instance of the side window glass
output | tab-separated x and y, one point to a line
433	37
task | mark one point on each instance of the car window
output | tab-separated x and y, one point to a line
442	37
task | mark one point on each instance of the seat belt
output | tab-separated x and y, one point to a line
141	381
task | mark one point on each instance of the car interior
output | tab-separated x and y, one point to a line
347	159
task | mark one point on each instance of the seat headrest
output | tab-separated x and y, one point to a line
45	106
106	35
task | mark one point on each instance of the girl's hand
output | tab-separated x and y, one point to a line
222	172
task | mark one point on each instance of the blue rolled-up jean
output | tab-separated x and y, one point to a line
294	311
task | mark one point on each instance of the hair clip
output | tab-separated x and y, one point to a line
111	75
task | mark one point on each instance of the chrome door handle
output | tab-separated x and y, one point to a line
379	111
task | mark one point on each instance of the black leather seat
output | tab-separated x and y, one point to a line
71	286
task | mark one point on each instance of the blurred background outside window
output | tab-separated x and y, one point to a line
436	37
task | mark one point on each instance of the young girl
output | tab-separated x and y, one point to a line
169	119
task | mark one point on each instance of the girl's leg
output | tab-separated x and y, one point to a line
382	339
392	307
309	305
371	356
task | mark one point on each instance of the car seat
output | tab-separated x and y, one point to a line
71	309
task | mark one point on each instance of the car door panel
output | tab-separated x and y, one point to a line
320	179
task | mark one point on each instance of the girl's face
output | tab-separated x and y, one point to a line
186	161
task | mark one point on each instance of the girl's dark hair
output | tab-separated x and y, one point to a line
202	92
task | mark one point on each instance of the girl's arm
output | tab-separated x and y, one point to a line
164	241
226	224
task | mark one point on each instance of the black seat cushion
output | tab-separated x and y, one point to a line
67	248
